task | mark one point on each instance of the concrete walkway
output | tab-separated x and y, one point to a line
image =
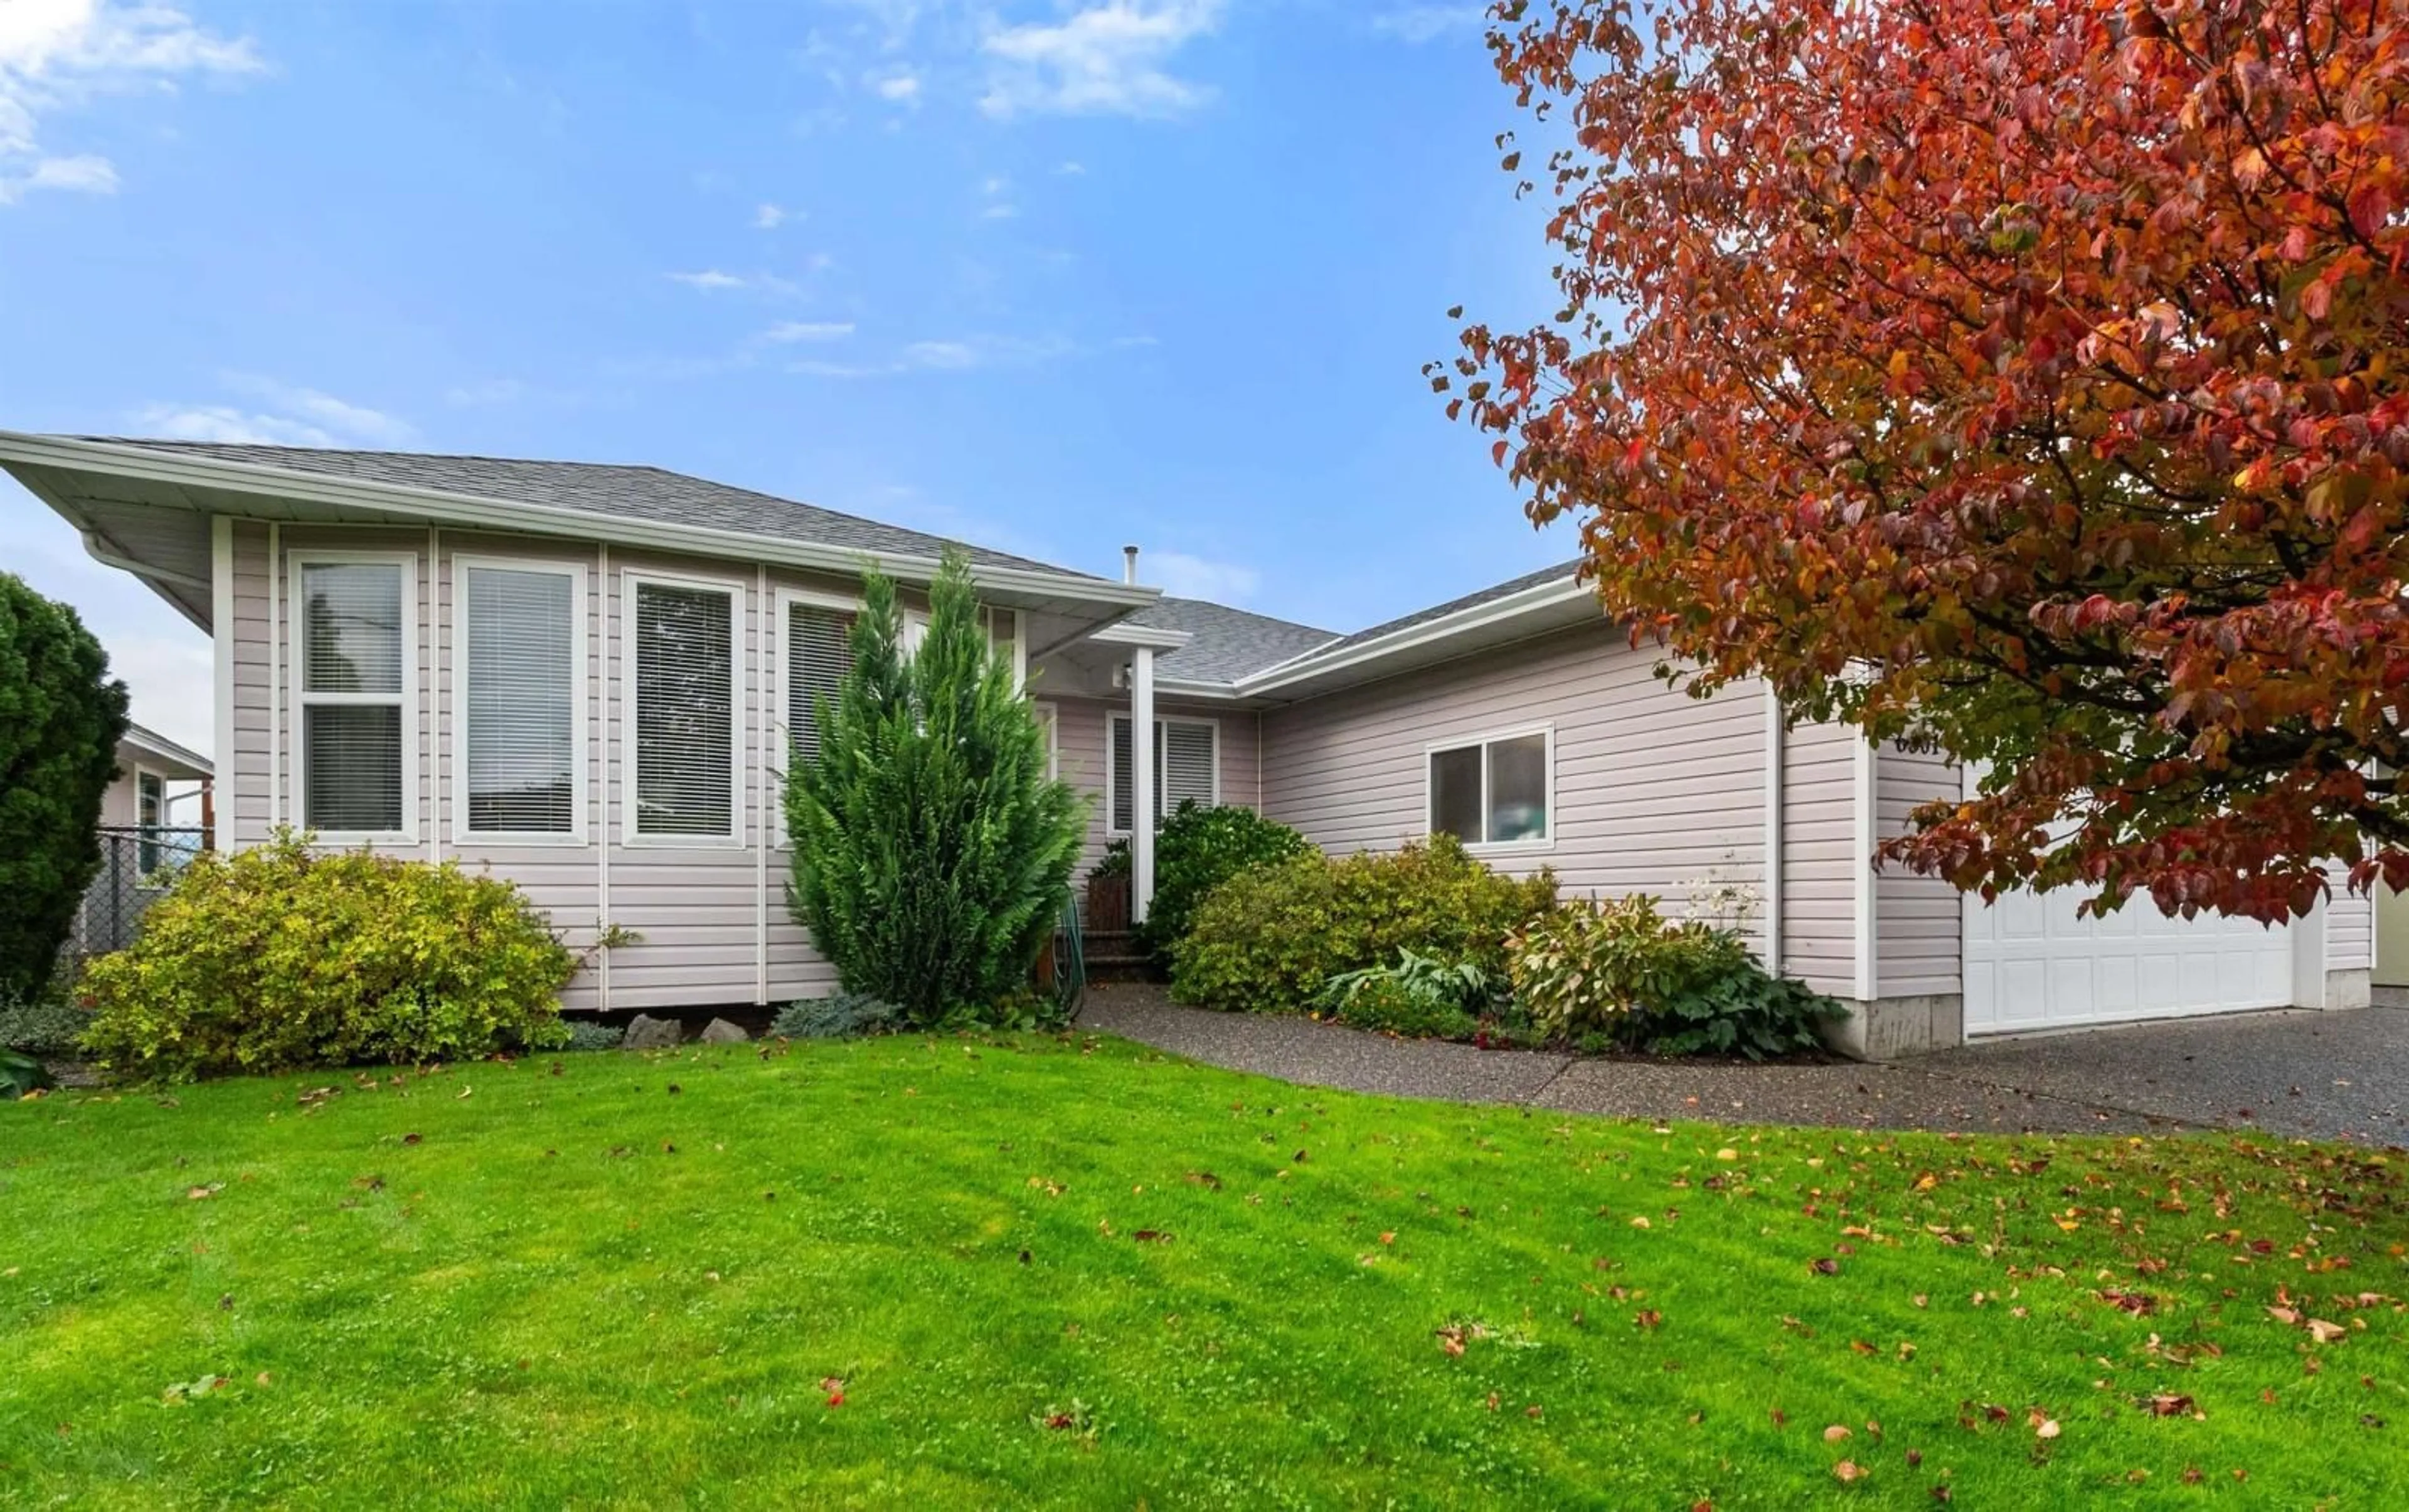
2342	1076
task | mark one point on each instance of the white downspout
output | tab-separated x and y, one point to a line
1867	898
1775	757
1141	783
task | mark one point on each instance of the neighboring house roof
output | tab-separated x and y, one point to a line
643	493
1224	643
164	753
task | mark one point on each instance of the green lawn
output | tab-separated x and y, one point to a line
1072	1270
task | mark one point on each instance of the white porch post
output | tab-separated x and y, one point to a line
1141	782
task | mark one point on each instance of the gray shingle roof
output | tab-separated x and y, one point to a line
597	488
1228	643
1471	600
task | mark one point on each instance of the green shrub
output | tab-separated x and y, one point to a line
44	1024
279	956
841	1016
1269	939
933	854
1619	970
1198	849
60	719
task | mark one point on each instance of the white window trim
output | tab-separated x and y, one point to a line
1049	718
782	738
1111	797
462	561
736	588
1484	740
295	561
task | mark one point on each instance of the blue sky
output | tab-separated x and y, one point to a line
1051	275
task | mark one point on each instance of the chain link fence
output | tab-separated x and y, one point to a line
137	864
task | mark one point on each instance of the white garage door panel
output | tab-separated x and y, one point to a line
2031	963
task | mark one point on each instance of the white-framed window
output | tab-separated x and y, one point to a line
518	701
814	653
683	728
1187	765
1049	724
150	812
355	690
1495	791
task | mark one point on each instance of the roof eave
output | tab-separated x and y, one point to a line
495	514
1367	656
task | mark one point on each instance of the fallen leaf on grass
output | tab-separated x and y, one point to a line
2168	1404
1649	1318
1151	1236
1847	1471
1824	1265
2324	1332
1836	1432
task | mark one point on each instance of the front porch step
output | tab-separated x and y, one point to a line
1115	956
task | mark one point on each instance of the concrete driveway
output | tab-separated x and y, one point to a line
2337	1075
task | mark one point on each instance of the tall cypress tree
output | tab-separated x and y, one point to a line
931	853
61	716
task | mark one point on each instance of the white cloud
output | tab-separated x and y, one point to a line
57	55
708	280
84	174
337	416
769	217
1424	24
898	88
958	355
1107	60
998	212
1183	576
1071	169
788	331
280	414
715	281
227	426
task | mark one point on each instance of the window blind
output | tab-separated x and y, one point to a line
686	732
1185	756
351	628
817	659
521	701
353	681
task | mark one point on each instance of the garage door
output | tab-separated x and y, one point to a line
2030	963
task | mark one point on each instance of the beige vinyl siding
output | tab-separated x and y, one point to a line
1082	728
243	800
1919	921
1654	791
1819	863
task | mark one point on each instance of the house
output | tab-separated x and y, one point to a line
586	677
141	843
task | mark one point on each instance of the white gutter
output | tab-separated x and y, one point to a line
1410	637
1154	638
504	514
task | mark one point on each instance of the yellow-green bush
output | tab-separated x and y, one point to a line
1270	938
282	957
1620	970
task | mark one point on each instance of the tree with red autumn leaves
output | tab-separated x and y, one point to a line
2028	381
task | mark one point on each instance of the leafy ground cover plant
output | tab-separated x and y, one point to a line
1417	996
43	1024
840	1015
281	957
1067	1271
1270	939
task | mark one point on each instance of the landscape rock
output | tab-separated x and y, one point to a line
720	1031
645	1033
